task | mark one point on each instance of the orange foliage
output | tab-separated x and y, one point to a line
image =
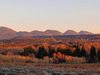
54	55
9	54
59	56
68	58
46	57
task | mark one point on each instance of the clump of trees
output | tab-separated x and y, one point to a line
39	54
79	52
28	50
60	54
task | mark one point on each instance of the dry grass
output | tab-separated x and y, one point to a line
70	59
23	59
14	58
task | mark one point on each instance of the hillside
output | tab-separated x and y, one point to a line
21	33
7	33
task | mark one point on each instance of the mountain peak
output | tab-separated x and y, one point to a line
6	29
6	33
53	32
82	32
70	32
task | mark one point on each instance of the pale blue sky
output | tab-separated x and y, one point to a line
62	15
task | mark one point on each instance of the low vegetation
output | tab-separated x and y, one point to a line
52	55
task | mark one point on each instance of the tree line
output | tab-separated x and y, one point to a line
93	56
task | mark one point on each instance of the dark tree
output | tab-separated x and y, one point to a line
83	52
51	52
92	52
41	52
59	50
67	52
98	54
77	52
29	50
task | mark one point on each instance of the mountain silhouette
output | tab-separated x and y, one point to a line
7	33
85	33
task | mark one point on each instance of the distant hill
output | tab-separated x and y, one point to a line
23	33
7	33
53	32
85	33
70	32
38	33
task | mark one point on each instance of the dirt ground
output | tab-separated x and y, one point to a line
48	69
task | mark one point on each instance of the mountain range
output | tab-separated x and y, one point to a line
7	33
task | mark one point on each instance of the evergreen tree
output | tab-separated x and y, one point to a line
92	52
83	52
98	54
77	52
41	52
51	52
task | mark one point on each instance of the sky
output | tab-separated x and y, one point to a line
62	15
